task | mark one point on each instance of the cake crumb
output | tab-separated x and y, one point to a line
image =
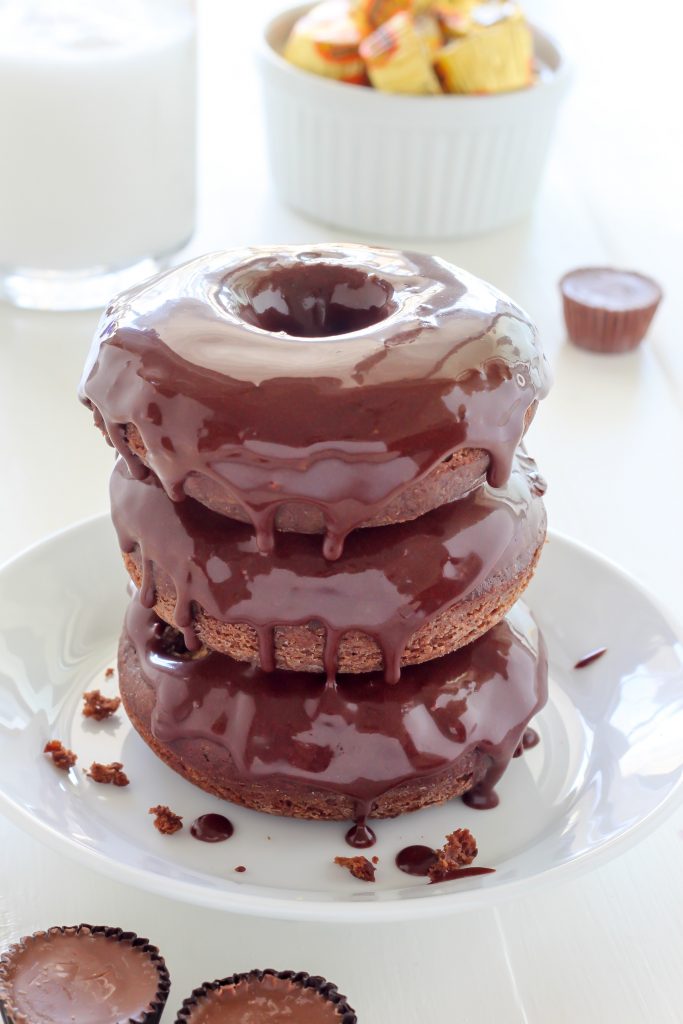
240	868
360	867
108	773
458	851
98	707
62	757
108	673
165	821
375	860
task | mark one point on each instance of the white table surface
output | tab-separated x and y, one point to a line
605	947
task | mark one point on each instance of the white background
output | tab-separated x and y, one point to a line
610	440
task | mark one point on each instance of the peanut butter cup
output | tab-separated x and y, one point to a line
608	310
263	996
82	975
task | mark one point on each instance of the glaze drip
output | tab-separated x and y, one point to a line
360	836
390	582
358	738
400	360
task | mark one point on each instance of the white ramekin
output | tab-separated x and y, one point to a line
410	166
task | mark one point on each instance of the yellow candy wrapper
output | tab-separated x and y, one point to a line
454	16
370	14
397	60
491	59
429	31
326	42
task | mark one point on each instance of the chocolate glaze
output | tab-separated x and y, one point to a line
529	739
75	975
391	580
211	828
336	376
451	876
588	659
360	836
416	860
359	737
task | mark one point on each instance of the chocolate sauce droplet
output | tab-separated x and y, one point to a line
529	739
450	876
360	836
481	798
211	828
416	860
588	659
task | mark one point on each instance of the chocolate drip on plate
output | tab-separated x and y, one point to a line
451	876
529	739
360	836
416	860
211	828
588	659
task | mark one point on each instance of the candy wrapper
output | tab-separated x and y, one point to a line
491	58
398	60
326	41
454	16
429	31
370	14
418	47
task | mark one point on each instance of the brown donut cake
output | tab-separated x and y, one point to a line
400	595
291	744
308	388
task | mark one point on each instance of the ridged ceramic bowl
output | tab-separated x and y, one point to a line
406	166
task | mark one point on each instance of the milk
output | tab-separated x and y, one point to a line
97	132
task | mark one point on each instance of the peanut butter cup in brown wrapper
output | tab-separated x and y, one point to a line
325	42
82	974
264	996
494	54
397	58
608	310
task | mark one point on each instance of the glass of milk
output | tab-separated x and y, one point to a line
97	146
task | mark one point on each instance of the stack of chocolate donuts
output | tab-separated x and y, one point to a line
323	503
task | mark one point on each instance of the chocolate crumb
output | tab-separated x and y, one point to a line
165	821
62	757
109	673
458	851
108	773
240	868
360	867
98	707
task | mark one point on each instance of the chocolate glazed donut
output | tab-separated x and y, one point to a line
290	744
400	594
316	389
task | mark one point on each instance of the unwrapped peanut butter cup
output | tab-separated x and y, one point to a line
608	310
265	996
83	974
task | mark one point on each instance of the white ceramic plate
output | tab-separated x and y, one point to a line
608	768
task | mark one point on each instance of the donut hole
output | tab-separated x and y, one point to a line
313	301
